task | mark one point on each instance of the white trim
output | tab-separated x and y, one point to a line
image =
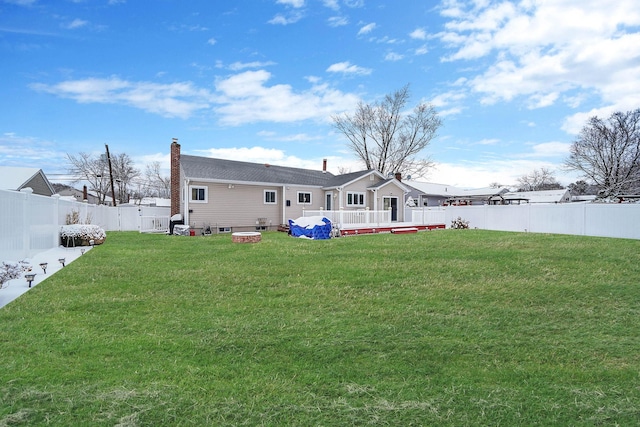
304	192
358	193
198	187
329	206
275	197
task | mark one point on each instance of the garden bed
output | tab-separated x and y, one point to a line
81	235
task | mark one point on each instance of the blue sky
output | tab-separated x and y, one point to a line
258	80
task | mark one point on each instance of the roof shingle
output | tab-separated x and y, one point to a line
211	169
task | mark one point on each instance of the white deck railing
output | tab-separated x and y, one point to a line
425	216
361	218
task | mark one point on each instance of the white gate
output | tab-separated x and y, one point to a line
154	224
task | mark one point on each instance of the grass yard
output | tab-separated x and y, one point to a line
447	328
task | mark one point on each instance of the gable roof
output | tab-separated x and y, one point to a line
348	178
543	196
389	181
433	189
16	178
221	170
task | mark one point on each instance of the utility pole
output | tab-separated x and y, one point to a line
113	191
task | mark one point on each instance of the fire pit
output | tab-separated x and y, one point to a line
246	237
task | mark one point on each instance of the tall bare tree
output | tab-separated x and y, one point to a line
159	185
538	180
95	171
607	153
92	169
124	172
386	138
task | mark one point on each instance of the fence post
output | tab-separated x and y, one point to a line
56	224
26	215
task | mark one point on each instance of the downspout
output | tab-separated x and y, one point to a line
186	202
284	205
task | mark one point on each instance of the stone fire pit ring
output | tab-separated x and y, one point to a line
246	237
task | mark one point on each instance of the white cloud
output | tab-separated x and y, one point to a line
21	2
28	151
246	98
418	34
489	141
551	149
331	4
337	21
393	56
480	174
367	29
347	68
422	50
237	66
449	103
168	100
212	41
292	3
549	52
298	137
258	154
280	19
76	23
354	3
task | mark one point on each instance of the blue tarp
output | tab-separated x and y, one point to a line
317	228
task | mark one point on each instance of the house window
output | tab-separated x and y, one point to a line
269	197
198	194
355	199
304	198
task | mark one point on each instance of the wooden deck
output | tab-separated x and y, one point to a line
398	228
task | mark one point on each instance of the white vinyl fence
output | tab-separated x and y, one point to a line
30	223
585	219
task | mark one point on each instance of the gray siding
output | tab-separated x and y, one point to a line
373	200
240	207
39	185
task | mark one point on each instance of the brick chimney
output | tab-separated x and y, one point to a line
324	165
175	177
398	176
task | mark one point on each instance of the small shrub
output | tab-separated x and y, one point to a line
73	217
82	234
9	271
459	223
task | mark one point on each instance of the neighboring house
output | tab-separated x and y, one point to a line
157	202
430	194
79	195
543	196
477	196
230	195
16	179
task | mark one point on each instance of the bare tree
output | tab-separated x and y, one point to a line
386	139
607	152
158	184
124	173
95	171
538	180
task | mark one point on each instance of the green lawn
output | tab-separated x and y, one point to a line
450	327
